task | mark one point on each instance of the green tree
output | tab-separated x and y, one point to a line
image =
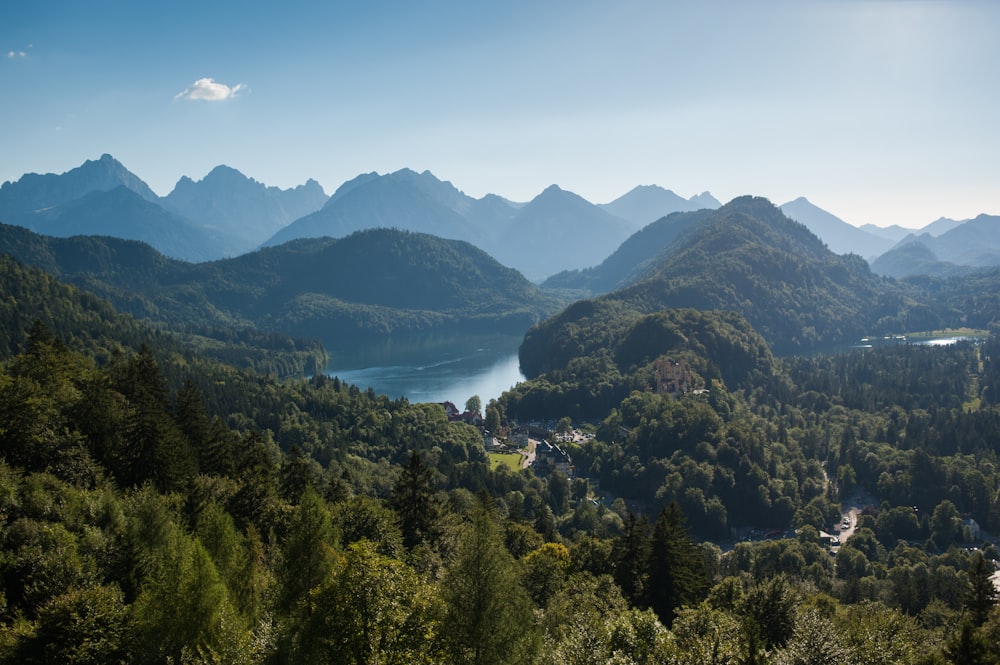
544	571
414	501
492	422
879	635
86	626
631	550
307	554
238	558
489	619
675	566
701	635
474	404
183	609
946	525
966	646
982	594
366	518
374	609
815	641
768	611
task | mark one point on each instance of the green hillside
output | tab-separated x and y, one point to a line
371	283
748	258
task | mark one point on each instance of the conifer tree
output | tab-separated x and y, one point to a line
675	567
630	554
489	618
307	552
413	500
982	594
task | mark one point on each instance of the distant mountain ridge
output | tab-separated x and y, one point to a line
241	212
627	263
559	230
224	214
556	230
227	214
33	192
746	257
372	283
966	246
839	236
647	203
122	213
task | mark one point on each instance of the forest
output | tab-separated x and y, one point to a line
156	508
199	493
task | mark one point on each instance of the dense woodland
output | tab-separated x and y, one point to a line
160	503
371	283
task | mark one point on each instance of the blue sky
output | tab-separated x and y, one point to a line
881	111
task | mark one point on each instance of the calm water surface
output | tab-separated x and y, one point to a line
434	369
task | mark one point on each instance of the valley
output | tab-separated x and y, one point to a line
265	432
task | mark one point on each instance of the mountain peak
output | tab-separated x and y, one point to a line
222	171
840	236
35	192
645	204
705	200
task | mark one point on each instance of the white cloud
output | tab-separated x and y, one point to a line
210	90
17	54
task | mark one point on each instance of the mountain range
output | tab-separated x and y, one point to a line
224	214
241	212
746	257
963	247
558	233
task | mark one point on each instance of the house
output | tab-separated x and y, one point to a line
550	457
453	414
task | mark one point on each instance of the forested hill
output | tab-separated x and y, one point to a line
747	257
373	282
86	323
629	260
603	352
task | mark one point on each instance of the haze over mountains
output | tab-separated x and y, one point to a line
227	214
745	257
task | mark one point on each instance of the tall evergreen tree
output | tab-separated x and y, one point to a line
630	555
307	552
675	567
489	618
413	500
982	594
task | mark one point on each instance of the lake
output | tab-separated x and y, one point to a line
918	340
431	369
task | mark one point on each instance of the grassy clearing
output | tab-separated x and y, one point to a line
511	460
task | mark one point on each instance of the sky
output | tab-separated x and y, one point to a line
878	111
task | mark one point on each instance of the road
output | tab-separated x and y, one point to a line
849	510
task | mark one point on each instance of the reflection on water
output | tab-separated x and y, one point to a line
434	369
895	340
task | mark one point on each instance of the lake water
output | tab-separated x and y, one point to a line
435	369
868	343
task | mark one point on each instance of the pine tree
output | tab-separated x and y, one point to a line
413	500
307	552
982	595
675	567
630	554
489	619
